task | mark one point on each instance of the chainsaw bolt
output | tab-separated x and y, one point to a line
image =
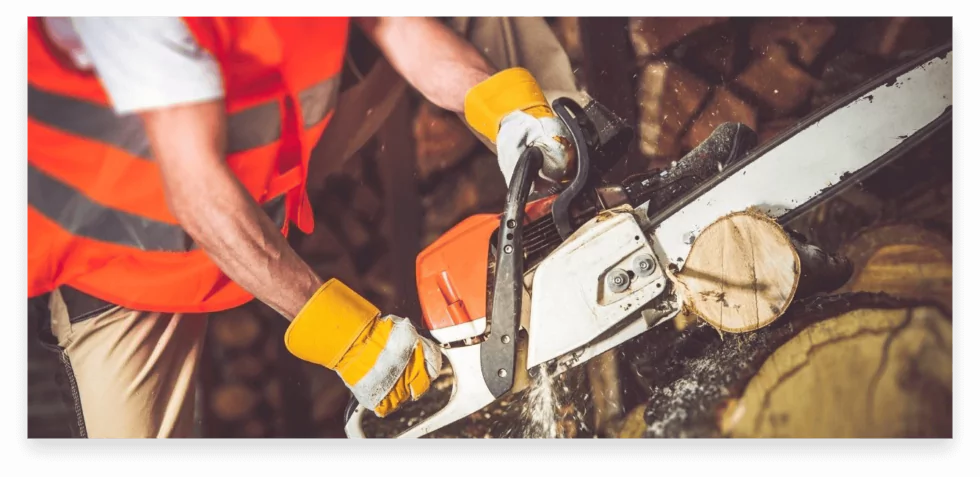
511	224
617	280
508	248
644	265
505	339
502	373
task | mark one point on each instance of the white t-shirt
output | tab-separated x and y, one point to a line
143	62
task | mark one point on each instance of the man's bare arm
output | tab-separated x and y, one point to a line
218	213
430	56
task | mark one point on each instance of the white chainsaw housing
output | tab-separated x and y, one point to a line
572	302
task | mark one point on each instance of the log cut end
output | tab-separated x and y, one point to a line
742	272
868	373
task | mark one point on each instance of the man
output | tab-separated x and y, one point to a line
166	158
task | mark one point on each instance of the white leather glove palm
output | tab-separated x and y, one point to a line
510	109
520	130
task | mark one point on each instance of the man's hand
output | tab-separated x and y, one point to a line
520	130
383	360
510	110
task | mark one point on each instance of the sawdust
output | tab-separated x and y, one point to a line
673	399
683	391
541	412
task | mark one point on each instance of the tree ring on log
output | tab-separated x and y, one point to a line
742	272
904	260
866	373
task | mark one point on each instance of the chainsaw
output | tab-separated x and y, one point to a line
566	274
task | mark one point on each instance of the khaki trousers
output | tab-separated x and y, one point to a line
133	373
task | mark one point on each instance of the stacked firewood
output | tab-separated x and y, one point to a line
845	365
696	73
690	75
243	394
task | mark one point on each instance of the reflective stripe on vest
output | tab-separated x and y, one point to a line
77	214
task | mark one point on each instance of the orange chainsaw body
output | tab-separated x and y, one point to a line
451	273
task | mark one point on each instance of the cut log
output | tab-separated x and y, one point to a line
889	37
652	36
669	96
633	426
353	230
807	35
441	140
603	374
903	260
366	203
330	401
272	393
245	367
233	401
319	247
801	375
254	429
867	373
744	270
724	106
776	81
270	351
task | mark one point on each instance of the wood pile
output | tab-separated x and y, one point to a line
696	73
688	75
243	395
676	78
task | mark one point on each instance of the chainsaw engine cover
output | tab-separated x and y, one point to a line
452	275
605	272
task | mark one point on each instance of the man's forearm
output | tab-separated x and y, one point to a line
430	56
244	243
216	210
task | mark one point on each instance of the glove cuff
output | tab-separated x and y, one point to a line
329	324
508	91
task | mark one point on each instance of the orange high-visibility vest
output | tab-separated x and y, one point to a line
97	217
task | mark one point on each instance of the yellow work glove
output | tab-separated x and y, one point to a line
383	361
510	110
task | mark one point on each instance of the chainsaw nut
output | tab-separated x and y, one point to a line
617	280
644	265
